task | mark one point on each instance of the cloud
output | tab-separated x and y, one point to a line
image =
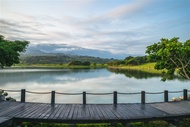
66	49
128	9
116	26
71	32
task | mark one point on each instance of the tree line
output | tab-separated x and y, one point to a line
60	59
79	63
131	61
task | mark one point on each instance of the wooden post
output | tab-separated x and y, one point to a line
142	97
52	97
23	94
84	98
185	94
115	97
165	96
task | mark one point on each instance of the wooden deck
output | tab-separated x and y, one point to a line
5	121
91	113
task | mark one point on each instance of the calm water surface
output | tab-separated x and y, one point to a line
89	80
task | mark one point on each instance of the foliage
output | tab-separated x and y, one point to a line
146	70
116	63
150	124
73	63
158	123
35	124
60	59
171	55
94	64
9	51
130	60
135	60
58	66
29	124
184	122
78	63
86	63
3	97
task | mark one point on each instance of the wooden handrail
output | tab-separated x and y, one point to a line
115	95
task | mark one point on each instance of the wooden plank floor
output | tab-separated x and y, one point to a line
92	113
5	121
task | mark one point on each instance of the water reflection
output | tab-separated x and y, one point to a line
89	80
138	74
135	73
45	76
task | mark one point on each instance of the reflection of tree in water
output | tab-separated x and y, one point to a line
134	73
139	74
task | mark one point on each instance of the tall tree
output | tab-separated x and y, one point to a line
171	54
10	51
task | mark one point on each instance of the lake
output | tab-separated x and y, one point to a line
89	80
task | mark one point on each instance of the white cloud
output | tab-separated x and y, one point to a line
128	9
121	27
66	49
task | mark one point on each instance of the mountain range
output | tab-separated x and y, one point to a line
40	49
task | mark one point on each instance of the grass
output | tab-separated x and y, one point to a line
148	67
57	66
158	123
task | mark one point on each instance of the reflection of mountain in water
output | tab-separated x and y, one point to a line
50	76
139	74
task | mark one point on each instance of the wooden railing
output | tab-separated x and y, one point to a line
115	95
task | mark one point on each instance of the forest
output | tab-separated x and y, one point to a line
61	59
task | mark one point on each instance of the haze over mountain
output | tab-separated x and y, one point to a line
39	49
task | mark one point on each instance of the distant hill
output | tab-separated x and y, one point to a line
40	49
60	59
60	54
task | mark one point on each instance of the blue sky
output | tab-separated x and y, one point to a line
117	26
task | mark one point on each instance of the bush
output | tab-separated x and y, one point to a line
3	97
73	63
86	63
79	63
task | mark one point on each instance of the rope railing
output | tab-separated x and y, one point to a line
10	90
154	92
99	93
129	93
115	94
38	92
175	91
68	93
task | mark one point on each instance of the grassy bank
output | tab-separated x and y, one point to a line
148	67
159	123
56	66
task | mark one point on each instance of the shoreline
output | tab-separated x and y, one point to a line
53	66
149	68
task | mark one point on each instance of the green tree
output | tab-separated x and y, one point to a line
135	60
128	58
73	63
116	63
171	55
86	63
9	51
